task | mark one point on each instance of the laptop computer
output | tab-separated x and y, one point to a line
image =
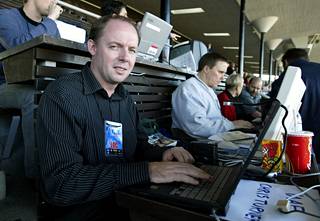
210	196
154	34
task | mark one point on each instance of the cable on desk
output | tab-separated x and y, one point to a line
284	205
214	215
298	211
284	141
283	124
303	192
296	176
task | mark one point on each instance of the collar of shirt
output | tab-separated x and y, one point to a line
197	77
91	85
27	18
230	95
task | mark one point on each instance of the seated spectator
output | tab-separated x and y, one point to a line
246	78
234	84
90	142
114	8
250	95
17	26
231	68
195	106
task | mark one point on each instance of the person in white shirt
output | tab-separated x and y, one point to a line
195	106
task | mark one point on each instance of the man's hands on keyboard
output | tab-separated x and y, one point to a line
166	172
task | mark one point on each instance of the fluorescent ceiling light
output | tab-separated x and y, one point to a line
216	34
246	56
251	62
231	48
187	11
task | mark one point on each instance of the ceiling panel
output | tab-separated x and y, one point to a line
224	15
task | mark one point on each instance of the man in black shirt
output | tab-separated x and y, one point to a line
84	156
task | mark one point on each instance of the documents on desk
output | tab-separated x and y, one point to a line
254	200
233	140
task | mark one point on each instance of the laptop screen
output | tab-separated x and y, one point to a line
154	33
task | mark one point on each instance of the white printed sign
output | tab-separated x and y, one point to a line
256	201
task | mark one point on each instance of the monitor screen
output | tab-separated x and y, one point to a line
289	95
154	33
187	54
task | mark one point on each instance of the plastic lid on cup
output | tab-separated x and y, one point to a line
303	133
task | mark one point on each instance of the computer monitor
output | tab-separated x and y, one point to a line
154	33
187	54
289	95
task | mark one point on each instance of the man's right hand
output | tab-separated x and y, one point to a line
54	11
166	172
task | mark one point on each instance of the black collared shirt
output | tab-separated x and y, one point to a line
70	135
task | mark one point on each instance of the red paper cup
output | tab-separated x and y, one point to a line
298	151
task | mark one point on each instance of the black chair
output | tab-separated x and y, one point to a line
15	115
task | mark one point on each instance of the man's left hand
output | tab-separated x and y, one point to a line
178	153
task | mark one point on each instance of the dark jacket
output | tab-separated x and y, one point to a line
309	109
70	133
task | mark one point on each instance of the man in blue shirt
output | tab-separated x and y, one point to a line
195	106
250	95
19	25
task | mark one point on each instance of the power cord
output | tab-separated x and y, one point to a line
284	205
214	215
297	176
298	211
283	124
284	141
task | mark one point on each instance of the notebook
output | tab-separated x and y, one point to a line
208	196
154	33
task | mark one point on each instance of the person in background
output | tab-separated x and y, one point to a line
309	109
251	94
289	56
195	106
246	78
231	68
17	26
111	7
234	84
114	8
90	142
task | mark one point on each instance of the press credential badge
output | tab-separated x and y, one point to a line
113	138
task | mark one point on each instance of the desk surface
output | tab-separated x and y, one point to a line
144	208
45	41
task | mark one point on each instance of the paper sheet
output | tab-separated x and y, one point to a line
255	200
233	140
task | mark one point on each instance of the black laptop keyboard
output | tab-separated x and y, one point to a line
207	190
